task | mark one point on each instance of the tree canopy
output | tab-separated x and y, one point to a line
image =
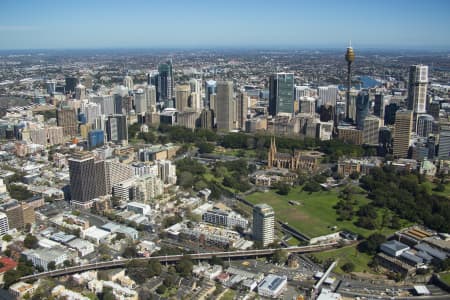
407	197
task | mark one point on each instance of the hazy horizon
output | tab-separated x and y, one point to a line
287	24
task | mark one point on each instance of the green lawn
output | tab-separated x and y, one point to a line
315	215
347	254
293	242
229	295
445	277
236	152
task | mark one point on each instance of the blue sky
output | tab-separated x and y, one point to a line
46	24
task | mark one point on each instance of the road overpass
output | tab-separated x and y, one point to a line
173	258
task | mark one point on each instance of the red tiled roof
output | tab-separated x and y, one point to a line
8	264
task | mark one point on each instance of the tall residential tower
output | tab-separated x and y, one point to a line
417	88
263	224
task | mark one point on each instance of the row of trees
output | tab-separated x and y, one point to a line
260	142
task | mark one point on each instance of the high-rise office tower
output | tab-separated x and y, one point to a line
18	214
302	91
167	171
165	81
116	172
402	133
350	58
307	105
327	95
431	146
385	138
207	119
119	105
71	83
263	224
91	112
150	96
51	86
326	113
242	109
380	102
66	117
225	106
195	98
417	88
117	128
96	138
339	112
350	106
87	177
426	125
210	89
371	130
281	94
182	93
88	81
128	82
389	113
106	103
4	225
434	109
444	141
80	92
362	108
140	102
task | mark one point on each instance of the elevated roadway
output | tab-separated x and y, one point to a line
173	258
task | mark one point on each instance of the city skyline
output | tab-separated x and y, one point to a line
251	24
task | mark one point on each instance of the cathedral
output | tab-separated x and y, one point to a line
307	160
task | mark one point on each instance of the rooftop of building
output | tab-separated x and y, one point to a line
395	245
46	254
272	282
7	263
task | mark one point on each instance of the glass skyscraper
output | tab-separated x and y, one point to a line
281	94
165	82
362	109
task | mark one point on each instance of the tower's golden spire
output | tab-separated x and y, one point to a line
350	54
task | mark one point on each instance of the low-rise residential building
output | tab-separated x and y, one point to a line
206	234
60	292
118	290
20	289
226	218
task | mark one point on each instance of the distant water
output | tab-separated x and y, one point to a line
368	82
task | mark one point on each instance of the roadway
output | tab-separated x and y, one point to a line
173	258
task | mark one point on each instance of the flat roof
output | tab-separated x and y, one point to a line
395	245
272	282
421	290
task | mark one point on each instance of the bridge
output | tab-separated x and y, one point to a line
173	258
